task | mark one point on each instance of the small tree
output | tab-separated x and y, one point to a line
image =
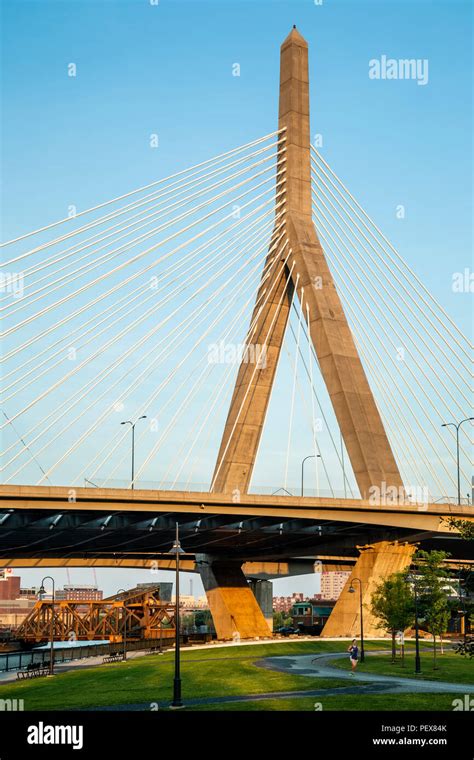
465	527
466	647
433	596
393	605
281	619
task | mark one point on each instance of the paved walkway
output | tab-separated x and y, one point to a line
320	666
63	667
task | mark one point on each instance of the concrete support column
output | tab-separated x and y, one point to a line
263	592
233	606
376	562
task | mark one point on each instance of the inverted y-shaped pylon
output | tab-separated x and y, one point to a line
304	263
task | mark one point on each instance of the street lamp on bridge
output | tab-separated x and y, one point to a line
41	593
457	426
311	456
129	422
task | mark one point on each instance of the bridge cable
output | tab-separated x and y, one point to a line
292	405
406	303
139	256
145	187
411	272
356	274
58	284
99	236
134	276
256	366
155	448
191	374
140	302
126	300
105	372
327	248
142	374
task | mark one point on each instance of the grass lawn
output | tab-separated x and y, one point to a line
389	702
217	672
451	667
205	673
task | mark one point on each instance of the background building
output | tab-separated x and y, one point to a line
78	593
189	602
9	584
14	606
285	603
332	583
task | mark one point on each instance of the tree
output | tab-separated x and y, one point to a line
433	596
393	605
281	619
465	527
466	647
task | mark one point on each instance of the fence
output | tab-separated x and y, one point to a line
19	660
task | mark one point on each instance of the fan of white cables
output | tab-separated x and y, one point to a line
128	310
418	362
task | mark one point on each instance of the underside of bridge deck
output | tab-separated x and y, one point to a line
265	536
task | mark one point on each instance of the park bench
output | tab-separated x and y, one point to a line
113	657
33	670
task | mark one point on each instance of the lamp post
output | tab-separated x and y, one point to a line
129	422
51	654
461	605
352	591
124	655
463	611
311	456
457	426
177	703
412	579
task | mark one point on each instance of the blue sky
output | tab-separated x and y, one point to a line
167	69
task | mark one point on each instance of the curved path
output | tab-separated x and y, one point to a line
369	683
320	666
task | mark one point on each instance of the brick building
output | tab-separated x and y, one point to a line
332	583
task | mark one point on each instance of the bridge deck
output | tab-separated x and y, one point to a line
114	524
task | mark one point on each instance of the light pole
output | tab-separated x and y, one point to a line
124	655
177	703
40	593
463	611
457	426
412	579
311	456
129	422
352	591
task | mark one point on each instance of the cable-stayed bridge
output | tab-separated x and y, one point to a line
176	308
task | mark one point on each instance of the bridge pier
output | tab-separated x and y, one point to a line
375	563
263	592
233	605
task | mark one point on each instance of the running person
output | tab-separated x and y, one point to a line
353	655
